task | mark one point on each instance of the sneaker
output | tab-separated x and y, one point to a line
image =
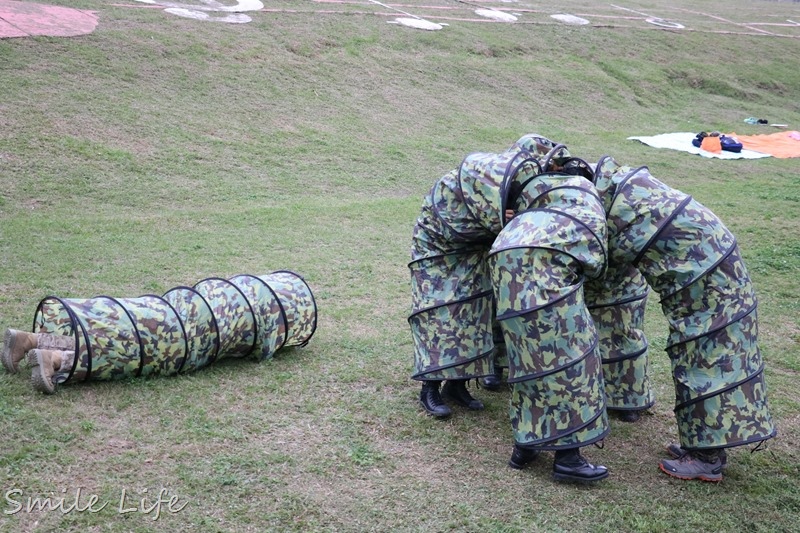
675	451
705	466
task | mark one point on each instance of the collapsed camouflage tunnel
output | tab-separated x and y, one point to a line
567	279
184	330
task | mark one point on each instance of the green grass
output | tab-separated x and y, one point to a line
159	150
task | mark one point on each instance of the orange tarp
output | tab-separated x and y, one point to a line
783	145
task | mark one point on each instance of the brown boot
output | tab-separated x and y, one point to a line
44	364
17	343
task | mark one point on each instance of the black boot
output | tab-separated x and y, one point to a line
456	390
520	457
626	415
493	382
431	400
570	465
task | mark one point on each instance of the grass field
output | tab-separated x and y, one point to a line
160	150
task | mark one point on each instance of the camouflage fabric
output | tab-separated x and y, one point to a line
299	307
550	342
561	213
557	398
619	231
200	327
234	315
451	313
539	263
500	356
617	303
451	324
184	330
690	258
452	309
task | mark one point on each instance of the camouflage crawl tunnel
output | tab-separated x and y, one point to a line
539	262
566	274
471	270
692	261
184	330
617	303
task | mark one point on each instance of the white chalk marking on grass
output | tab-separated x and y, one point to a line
496	14
749	26
410	20
418	23
656	21
236	18
202	11
664	23
570	19
210	5
490	12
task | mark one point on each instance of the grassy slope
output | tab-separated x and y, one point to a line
159	150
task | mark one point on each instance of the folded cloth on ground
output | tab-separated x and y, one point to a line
683	141
784	144
709	144
716	142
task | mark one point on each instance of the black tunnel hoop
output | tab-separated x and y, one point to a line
734	320
601	242
732	386
74	323
580	164
589	192
508	179
541	444
745	442
507	316
549	157
313	301
183	328
135	332
440	218
218	342
468	251
439	368
663	225
621	185
599	168
626	356
477	296
709	270
546	248
624	301
280	307
249	306
585	355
